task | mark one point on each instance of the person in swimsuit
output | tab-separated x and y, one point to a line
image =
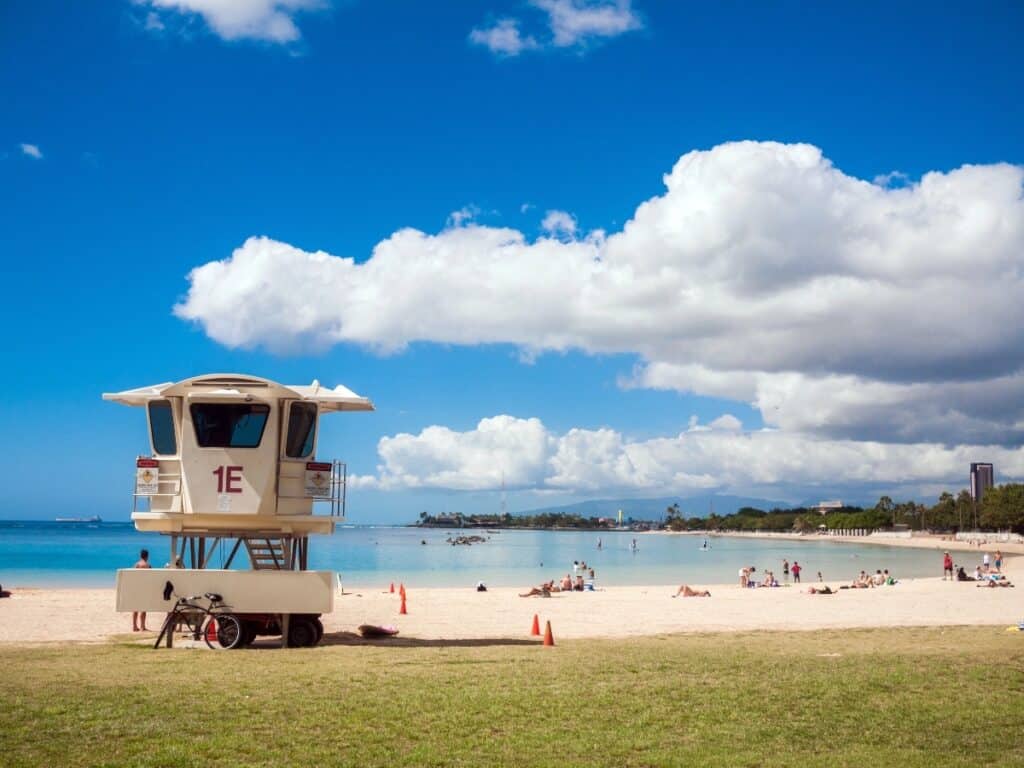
947	566
544	590
687	591
785	571
139	617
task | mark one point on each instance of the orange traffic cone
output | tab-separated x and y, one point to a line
535	629
392	587
549	639
211	631
401	589
402	610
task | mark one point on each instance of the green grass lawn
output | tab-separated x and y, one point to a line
872	698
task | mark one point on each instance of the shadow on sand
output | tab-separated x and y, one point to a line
353	638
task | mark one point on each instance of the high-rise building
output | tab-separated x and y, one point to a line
982	478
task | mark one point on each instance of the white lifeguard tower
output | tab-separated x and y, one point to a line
234	465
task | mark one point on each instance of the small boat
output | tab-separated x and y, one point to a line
372	630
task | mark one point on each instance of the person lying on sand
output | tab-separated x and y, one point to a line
687	591
994	583
544	590
826	590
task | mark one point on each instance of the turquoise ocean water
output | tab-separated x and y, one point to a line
78	554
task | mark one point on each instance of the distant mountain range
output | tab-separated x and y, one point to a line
654	509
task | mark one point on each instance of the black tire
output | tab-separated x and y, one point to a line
301	633
319	630
227	633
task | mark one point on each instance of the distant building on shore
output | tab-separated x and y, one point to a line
982	478
824	507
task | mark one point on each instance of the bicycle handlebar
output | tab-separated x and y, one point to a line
216	600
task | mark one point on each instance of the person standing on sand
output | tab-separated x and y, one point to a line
796	572
985	561
744	576
785	571
999	561
947	566
139	617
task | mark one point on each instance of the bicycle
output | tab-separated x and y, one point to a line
214	623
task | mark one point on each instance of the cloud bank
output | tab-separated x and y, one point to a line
526	455
838	307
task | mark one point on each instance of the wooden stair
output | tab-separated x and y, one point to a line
270	554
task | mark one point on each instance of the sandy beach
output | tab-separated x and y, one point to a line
88	616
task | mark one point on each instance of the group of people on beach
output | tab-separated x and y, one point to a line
567	583
747	578
865	580
989	572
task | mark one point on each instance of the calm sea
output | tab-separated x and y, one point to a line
79	554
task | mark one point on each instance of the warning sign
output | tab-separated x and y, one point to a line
318	479
147	477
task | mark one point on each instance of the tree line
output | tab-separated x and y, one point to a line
507	520
1002	508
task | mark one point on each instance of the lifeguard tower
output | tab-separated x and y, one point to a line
233	466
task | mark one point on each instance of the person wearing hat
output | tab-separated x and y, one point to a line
947	566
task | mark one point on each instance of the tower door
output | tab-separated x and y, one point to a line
298	448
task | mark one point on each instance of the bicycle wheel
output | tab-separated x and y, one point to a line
223	632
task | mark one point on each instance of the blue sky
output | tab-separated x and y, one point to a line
142	140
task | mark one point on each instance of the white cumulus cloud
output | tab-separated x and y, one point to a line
268	20
526	455
499	449
727	421
31	150
559	223
762	273
503	38
569	24
573	22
